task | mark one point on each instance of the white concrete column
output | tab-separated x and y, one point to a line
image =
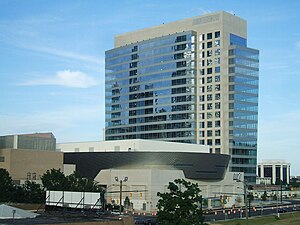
15	145
262	171
281	172
273	174
288	173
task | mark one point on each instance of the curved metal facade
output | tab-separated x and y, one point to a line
194	165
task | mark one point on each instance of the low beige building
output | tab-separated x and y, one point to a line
29	164
29	156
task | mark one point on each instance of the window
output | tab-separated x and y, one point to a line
217	34
202	63
218	142
201	107
217	69
209	53
217	87
209	70
217	105
202	72
202	54
217	43
201	115
217	150
209	106
209	62
201	133
209	88
218	114
217	52
217	132
209	98
202	125
217	61
217	78
218	96
202	89
202	46
209	142
201	37
201	98
209	36
209	124
209	115
209	44
217	123
209	133
201	142
2	159
209	79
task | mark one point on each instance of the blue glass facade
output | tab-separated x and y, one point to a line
151	89
243	107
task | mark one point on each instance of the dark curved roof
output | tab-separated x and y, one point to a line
194	165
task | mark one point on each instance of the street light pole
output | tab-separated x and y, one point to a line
121	187
246	200
121	182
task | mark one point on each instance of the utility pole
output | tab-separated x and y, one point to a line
121	187
246	200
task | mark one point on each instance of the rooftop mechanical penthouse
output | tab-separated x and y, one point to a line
191	81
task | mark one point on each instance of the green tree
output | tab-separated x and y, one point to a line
55	180
7	187
182	205
33	192
79	183
264	196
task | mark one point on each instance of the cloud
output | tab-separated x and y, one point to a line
67	78
66	54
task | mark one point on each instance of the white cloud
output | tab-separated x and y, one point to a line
65	78
66	54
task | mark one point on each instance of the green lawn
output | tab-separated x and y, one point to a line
285	219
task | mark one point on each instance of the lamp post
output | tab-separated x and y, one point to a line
245	198
121	184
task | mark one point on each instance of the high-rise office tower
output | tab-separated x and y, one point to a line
193	81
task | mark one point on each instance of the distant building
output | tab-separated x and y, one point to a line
277	170
29	156
36	141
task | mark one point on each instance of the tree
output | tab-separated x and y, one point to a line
7	187
33	192
79	183
182	205
264	196
55	180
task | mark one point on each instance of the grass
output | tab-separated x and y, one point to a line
285	219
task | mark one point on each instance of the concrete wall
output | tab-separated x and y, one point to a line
209	22
142	186
131	145
19	162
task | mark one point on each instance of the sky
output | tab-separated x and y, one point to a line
52	57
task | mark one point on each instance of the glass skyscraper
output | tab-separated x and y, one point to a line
192	81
